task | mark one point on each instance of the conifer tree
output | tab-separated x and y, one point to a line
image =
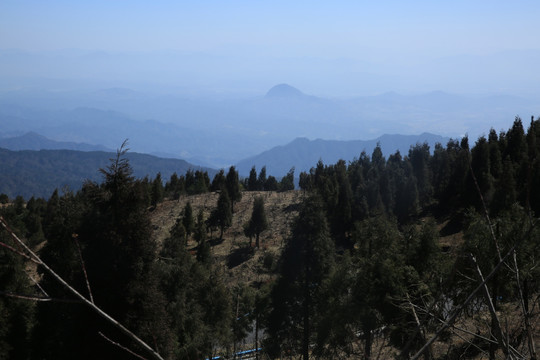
16	315
187	219
203	248
120	258
232	184
287	182
262	179
253	183
219	181
157	190
307	262
221	216
258	222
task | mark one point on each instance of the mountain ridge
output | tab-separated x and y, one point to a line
303	154
38	173
34	141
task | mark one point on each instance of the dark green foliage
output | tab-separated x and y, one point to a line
362	254
16	315
258	222
157	191
419	157
4	199
305	181
307	263
252	182
232	185
219	181
221	216
271	184
187	219
197	303
243	301
175	187
121	257
38	173
287	182
203	248
197	182
262	179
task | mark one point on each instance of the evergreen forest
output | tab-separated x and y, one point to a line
433	254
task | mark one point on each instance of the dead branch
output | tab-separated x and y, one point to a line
76	239
12	249
96	309
460	308
38	298
524	310
121	346
495	319
486	213
37	284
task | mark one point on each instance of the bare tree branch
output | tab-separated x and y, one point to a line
495	319
526	314
76	239
486	213
460	308
38	298
96	309
37	284
11	248
121	346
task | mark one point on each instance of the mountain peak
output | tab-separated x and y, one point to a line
283	91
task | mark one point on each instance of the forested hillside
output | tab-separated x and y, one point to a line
303	153
433	254
39	173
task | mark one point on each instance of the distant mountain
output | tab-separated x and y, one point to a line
39	173
304	154
283	90
221	132
34	141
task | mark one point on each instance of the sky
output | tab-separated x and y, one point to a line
290	40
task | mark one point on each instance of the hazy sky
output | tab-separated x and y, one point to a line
382	32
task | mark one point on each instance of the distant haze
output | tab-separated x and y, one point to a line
217	82
339	48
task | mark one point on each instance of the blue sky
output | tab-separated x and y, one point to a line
281	28
396	33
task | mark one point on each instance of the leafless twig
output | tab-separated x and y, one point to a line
96	309
38	298
121	346
76	239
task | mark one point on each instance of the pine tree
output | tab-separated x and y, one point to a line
253	183
203	248
233	187
258	222
120	258
221	216
157	190
307	262
219	181
262	179
187	219
287	182
16	315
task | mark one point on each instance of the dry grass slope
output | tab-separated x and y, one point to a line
233	255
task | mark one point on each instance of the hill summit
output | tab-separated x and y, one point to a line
284	91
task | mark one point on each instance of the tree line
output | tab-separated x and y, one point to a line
362	274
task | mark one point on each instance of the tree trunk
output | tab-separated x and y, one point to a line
367	346
257	240
305	343
257	336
